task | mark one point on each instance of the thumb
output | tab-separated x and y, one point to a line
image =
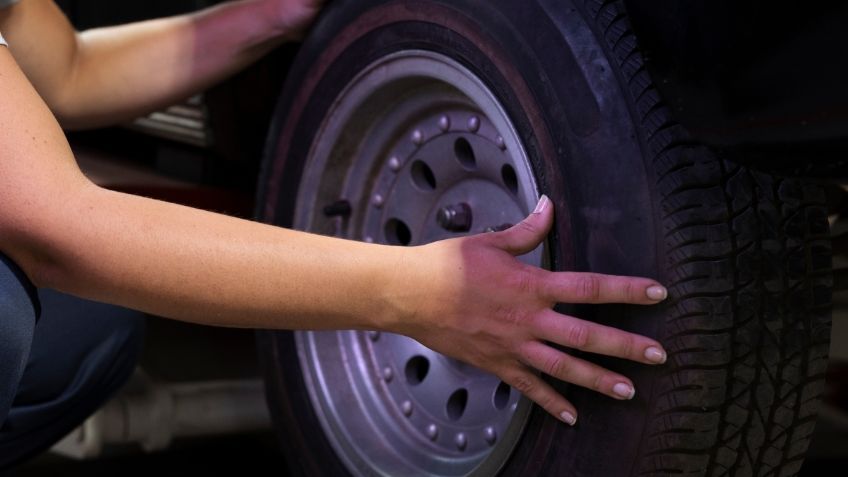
526	235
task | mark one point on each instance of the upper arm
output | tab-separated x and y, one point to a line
44	44
39	177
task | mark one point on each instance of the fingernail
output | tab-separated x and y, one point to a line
624	390
568	418
657	293
655	355
542	205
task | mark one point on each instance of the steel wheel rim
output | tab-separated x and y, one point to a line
414	149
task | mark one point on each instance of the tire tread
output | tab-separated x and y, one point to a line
747	354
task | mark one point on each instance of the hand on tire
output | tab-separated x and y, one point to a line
475	301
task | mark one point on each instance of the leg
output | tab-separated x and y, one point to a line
82	353
18	311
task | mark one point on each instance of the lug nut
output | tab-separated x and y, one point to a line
378	200
406	408
394	164
388	374
432	432
501	143
417	137
490	435
461	441
455	218
473	123
444	123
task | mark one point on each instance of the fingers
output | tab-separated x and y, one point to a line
573	370
540	392
594	338
575	287
526	235
578	287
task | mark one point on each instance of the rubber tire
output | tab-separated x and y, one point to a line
745	255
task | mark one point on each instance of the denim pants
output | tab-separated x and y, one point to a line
61	358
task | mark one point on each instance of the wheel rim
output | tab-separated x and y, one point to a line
415	149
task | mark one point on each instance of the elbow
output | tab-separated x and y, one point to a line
67	120
34	253
33	260
78	117
70	116
38	235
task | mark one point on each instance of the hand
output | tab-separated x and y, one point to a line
294	17
471	299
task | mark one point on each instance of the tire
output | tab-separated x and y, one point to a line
746	255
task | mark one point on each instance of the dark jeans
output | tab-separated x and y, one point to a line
56	369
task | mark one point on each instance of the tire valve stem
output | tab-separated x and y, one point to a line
340	208
455	218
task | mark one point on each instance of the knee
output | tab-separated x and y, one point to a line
79	347
19	308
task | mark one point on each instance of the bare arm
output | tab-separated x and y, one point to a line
163	258
469	298
108	75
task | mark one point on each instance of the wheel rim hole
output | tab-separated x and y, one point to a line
456	404
423	176
398	233
417	369
510	179
501	396
465	153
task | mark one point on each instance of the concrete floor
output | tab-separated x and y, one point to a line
246	455
249	455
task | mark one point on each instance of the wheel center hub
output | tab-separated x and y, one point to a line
452	175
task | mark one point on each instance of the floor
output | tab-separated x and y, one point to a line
253	455
250	455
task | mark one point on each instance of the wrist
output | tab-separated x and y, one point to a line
419	291
401	285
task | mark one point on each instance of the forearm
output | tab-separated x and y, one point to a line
125	71
109	75
170	260
196	266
